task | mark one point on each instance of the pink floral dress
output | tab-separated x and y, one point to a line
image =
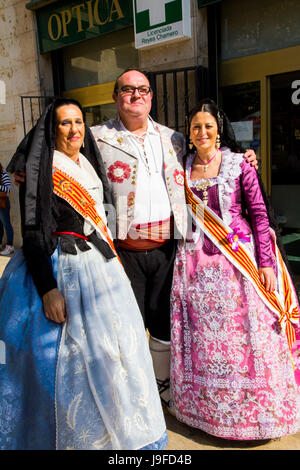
232	373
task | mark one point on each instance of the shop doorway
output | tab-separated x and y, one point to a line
285	160
242	105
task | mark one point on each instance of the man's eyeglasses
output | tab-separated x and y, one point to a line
130	90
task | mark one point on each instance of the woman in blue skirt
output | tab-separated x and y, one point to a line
77	372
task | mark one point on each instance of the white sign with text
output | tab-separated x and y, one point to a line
161	21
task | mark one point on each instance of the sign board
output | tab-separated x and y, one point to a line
161	21
67	22
243	130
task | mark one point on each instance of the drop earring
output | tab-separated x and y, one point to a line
218	142
191	145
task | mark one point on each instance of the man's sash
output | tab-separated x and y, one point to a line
282	302
66	187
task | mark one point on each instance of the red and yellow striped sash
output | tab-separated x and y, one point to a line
159	230
217	231
80	199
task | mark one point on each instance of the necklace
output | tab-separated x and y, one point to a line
140	138
203	185
207	163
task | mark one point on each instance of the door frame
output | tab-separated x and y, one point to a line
259	68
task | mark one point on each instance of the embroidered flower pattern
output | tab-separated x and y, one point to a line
178	177
118	172
236	236
226	379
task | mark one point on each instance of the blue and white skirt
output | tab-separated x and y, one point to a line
86	384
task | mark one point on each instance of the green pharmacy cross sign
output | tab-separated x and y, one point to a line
160	21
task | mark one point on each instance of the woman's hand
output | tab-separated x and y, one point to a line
54	306
19	177
268	278
250	156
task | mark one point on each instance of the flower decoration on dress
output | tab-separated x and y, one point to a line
178	177
118	172
235	237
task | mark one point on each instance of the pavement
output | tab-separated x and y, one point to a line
183	437
3	262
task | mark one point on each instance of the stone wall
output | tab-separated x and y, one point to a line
19	75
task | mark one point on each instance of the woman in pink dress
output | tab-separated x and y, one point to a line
235	363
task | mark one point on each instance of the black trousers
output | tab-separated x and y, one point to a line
150	273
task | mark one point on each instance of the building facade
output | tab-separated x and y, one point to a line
245	55
259	87
77	48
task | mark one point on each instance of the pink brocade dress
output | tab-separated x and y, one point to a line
232	374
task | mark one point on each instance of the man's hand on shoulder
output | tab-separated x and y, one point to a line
250	157
19	178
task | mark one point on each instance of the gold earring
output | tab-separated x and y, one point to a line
218	142
191	145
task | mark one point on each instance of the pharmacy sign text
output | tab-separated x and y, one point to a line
161	21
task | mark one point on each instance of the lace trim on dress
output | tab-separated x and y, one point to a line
230	170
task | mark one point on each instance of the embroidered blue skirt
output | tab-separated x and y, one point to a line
87	384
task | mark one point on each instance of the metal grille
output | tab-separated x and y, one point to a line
175	93
32	109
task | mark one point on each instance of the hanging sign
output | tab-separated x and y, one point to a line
161	21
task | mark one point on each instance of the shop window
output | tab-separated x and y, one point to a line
285	147
241	103
249	27
95	115
285	128
99	60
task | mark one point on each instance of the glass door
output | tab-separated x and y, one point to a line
241	103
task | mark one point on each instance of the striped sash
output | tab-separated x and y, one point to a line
159	230
283	303
80	199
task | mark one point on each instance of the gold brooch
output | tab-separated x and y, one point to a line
203	185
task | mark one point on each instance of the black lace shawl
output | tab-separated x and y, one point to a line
34	156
